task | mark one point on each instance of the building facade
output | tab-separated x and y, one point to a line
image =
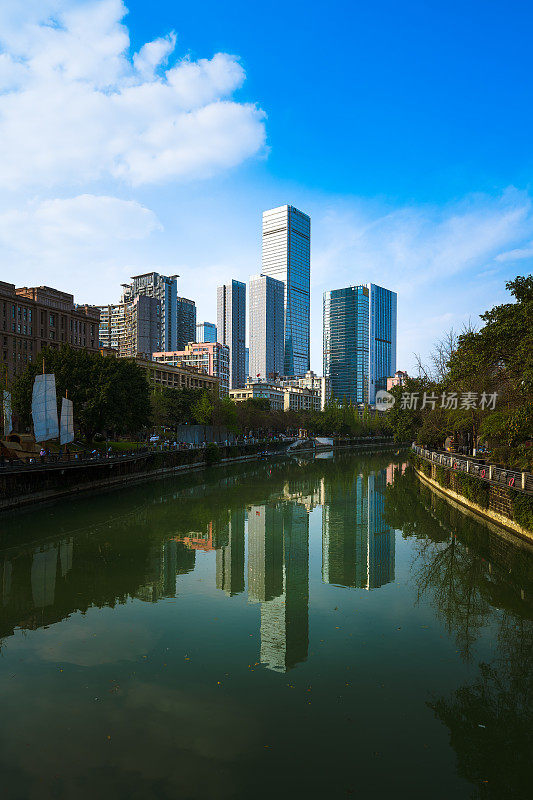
32	318
346	351
177	377
287	257
359	341
319	384
260	390
131	328
206	332
382	338
231	328
282	395
185	322
266	326
165	289
398	379
212	358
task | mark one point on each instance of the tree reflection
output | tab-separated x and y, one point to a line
463	568
490	720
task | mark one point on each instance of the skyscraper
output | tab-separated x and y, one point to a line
231	328
266	314
206	332
165	289
185	322
359	341
346	343
132	328
287	257
382	338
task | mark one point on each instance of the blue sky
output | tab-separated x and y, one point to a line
154	139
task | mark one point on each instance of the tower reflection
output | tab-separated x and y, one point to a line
358	548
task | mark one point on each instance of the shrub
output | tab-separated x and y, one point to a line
442	476
522	505
212	454
473	489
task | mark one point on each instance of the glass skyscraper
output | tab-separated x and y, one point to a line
359	341
286	257
206	332
231	328
266	301
346	313
382	338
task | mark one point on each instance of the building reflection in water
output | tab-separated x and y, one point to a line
357	544
41	585
230	558
278	578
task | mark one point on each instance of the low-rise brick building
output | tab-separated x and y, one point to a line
32	318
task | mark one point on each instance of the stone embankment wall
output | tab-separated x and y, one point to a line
511	508
33	484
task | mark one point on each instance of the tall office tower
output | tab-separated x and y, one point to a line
346	343
266	331
206	332
165	289
230	559
382	338
231	328
246	362
285	618
287	257
185	322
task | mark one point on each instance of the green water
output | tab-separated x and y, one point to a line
288	629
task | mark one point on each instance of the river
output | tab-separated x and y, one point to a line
293	628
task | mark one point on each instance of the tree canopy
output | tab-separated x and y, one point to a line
109	394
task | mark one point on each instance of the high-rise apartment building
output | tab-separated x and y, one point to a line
206	332
132	328
287	257
266	321
165	289
231	328
359	341
346	343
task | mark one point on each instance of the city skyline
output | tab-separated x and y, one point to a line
426	211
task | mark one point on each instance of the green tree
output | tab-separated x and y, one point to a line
109	394
202	411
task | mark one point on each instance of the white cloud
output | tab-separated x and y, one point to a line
51	227
516	255
86	245
75	107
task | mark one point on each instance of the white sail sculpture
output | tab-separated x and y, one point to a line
8	416
66	427
44	408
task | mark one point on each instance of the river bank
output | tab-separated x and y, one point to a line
60	481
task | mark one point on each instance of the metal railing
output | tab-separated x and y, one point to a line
485	472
